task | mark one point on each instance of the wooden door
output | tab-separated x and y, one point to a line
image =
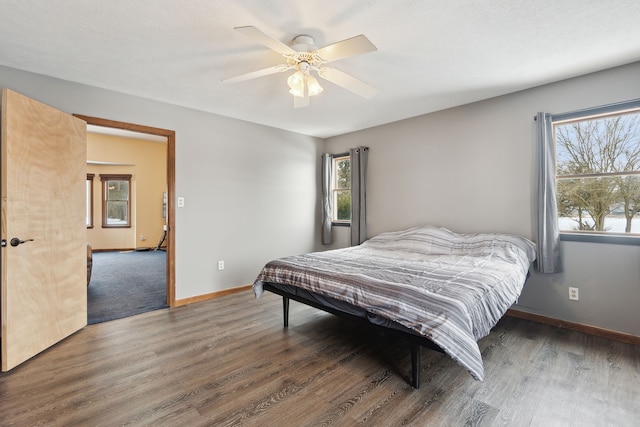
43	174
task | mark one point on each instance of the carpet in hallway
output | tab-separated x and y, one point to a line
126	283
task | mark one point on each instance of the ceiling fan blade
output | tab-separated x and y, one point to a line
268	41
350	47
258	73
346	81
301	101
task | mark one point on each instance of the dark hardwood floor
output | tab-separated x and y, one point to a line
228	361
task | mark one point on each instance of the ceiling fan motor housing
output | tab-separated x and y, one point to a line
303	43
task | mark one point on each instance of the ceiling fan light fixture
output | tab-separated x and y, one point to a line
296	80
296	83
297	92
313	87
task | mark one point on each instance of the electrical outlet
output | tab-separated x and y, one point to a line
220	265
573	294
143	238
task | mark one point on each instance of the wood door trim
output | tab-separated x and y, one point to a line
171	141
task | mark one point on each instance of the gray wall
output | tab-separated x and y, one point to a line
471	169
250	191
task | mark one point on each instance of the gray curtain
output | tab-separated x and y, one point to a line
358	161
327	235
548	234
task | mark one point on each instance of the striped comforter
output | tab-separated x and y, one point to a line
452	288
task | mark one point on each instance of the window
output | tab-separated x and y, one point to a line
341	189
116	209
89	201
598	171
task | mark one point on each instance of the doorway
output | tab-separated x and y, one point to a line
168	235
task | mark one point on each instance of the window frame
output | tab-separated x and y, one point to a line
334	208
89	200
595	113
105	178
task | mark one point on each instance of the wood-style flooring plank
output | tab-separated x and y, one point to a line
229	362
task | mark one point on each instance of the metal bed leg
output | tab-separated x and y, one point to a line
415	365
285	311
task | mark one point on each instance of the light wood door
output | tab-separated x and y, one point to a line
44	281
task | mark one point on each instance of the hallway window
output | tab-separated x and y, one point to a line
89	201
116	206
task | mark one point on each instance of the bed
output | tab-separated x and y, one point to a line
438	288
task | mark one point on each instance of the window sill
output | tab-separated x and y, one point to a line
341	224
614	239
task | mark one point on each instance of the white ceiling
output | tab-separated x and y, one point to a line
431	54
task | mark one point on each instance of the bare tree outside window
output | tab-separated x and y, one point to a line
598	173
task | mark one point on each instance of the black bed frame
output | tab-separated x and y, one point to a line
416	341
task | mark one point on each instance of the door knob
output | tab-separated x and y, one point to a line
15	241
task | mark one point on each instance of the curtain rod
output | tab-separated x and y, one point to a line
603	109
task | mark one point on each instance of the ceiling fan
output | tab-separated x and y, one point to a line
304	58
